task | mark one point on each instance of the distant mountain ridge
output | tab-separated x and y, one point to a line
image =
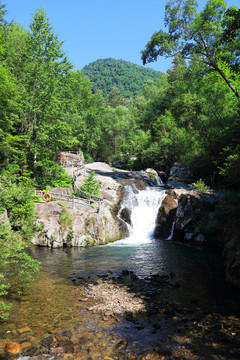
127	77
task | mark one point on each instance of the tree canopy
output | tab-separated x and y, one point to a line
196	36
127	77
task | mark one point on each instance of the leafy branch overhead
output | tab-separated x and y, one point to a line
197	36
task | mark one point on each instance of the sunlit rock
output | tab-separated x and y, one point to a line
165	217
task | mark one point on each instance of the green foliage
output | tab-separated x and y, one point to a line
91	185
17	199
17	267
53	177
109	74
196	36
90	242
199	186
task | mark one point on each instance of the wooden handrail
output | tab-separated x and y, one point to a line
82	196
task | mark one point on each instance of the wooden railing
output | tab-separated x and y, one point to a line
82	198
75	201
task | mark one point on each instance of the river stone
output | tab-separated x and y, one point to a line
13	347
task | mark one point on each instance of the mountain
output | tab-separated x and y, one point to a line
127	77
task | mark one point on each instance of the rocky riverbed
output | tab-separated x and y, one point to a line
126	317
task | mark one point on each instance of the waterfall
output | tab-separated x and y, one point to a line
143	206
158	181
172	231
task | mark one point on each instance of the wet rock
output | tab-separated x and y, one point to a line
153	176
66	344
24	330
33	351
13	347
68	333
126	272
126	215
47	340
121	344
151	356
25	346
56	351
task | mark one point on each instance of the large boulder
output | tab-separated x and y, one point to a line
190	204
165	217
191	211
60	226
153	176
179	177
192	208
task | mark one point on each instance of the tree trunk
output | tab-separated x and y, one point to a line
226	80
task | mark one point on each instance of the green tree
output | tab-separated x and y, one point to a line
126	77
43	122
10	110
231	34
196	36
91	185
17	267
115	98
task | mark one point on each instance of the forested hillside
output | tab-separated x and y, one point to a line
128	78
191	115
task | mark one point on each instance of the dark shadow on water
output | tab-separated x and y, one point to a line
174	328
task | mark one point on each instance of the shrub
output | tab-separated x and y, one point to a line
199	186
17	268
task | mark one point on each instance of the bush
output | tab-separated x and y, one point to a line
17	268
55	177
199	186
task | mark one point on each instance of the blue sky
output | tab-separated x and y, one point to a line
98	29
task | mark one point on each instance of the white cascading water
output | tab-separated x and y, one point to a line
144	205
158	181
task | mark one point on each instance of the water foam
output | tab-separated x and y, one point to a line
143	206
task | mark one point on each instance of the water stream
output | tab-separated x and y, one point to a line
143	206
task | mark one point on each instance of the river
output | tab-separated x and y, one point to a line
52	301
